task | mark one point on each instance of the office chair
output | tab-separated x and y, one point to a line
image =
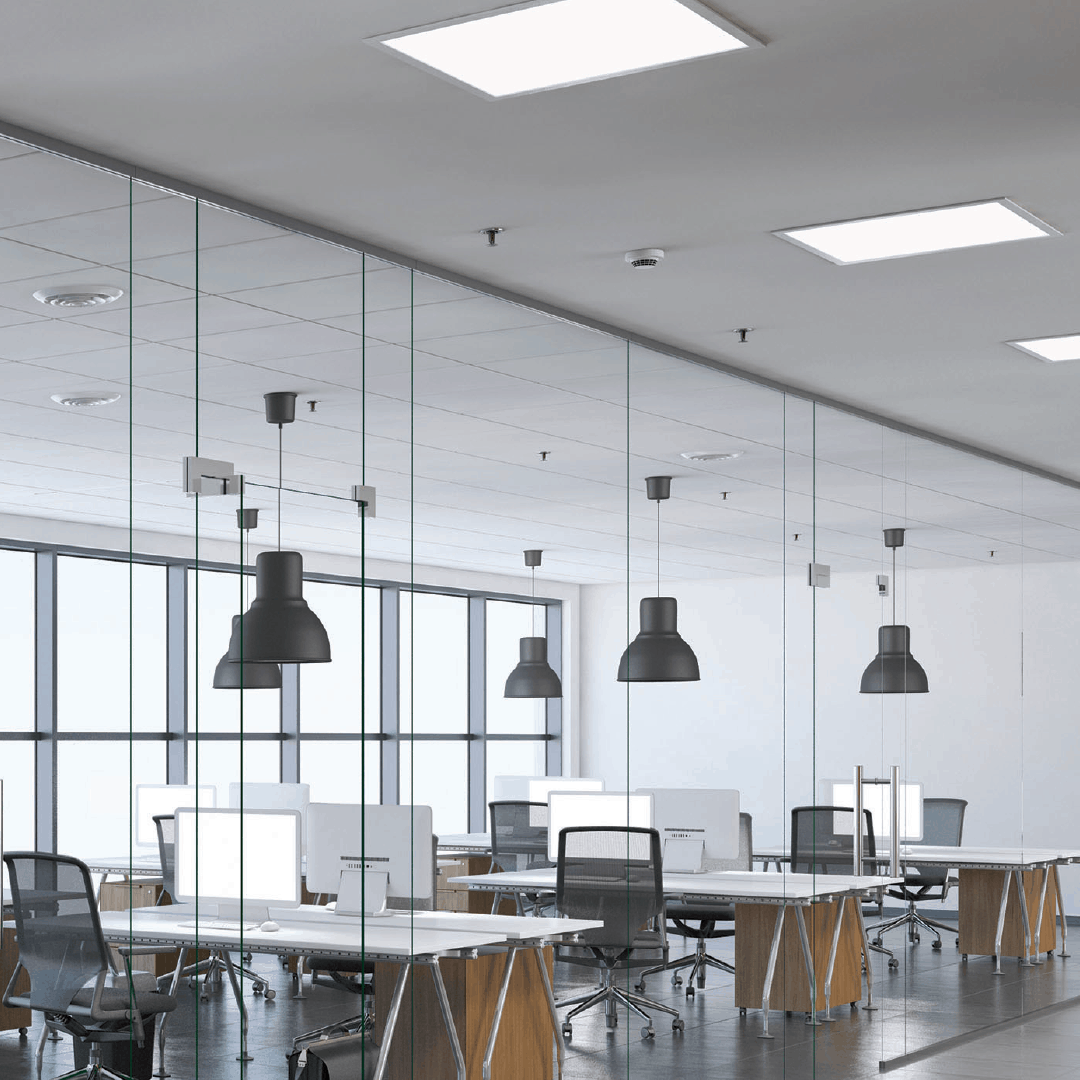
943	826
614	874
211	968
62	949
706	917
823	842
519	841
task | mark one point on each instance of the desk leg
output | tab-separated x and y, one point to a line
391	1021
538	952
164	1017
827	1018
869	1006
811	1016
770	970
1036	953
300	995
1001	921
239	995
1019	875
1061	911
447	1015
500	1004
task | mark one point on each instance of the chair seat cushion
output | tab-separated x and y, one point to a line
114	1000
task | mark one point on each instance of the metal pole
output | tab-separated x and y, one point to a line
894	784
857	830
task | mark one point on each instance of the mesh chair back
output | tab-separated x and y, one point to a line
943	826
166	842
822	840
745	858
56	919
612	874
519	835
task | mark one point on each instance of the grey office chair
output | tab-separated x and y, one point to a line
62	949
706	917
614	874
519	841
822	842
943	826
212	968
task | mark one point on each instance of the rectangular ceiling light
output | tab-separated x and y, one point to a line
548	43
916	232
1051	349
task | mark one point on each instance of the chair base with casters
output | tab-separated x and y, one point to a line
699	961
612	995
914	921
212	970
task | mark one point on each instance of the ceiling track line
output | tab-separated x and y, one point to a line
189	190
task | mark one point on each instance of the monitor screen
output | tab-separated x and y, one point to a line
349	836
568	808
877	799
152	800
248	858
274	797
709	816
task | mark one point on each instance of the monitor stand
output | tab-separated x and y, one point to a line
684	856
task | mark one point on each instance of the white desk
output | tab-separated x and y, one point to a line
398	939
796	891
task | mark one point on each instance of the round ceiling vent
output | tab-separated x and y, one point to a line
644	258
86	399
712	455
78	296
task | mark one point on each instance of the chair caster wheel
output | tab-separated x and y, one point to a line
742	1012
916	938
689	993
567	1031
678	1025
204	998
270	994
676	980
640	987
257	988
22	1033
936	944
647	1033
963	956
894	963
875	941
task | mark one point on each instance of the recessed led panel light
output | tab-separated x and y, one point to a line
547	43
916	232
1051	349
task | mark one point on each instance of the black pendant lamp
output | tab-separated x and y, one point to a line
894	670
658	653
230	674
533	677
279	627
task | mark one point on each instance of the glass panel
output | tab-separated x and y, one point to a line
17	773
105	676
224	763
434	774
341	771
17	640
507	623
434	646
513	759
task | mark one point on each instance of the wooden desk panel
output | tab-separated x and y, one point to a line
754	925
980	902
9	957
524	1049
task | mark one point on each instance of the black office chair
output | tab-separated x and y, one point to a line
943	826
613	874
62	949
519	841
705	918
823	842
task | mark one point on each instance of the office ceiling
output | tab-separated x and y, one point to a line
852	109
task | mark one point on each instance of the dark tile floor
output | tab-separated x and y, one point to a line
932	996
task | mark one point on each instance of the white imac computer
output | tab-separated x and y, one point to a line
152	800
696	825
391	846
877	799
244	861
264	796
571	808
536	788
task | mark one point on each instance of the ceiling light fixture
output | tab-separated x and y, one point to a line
78	296
85	399
644	258
917	232
658	653
712	455
894	670
1051	350
543	44
533	677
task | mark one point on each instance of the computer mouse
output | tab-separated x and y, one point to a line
269	926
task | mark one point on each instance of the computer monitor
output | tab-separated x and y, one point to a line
244	861
395	840
265	796
877	799
154	799
696	825
536	788
570	808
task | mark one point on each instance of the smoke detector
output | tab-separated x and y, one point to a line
78	296
86	399
645	258
711	455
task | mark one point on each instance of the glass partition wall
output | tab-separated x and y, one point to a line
139	328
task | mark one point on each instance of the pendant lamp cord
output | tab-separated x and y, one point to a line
279	481
894	586
657	547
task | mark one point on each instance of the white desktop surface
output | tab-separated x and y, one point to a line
986	858
474	842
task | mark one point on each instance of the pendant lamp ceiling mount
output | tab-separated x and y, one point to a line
280	407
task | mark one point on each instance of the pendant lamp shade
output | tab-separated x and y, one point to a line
658	653
279	627
894	670
232	675
533	676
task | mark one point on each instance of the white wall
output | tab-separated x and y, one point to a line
778	704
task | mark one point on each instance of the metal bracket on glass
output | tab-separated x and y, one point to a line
205	476
364	497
